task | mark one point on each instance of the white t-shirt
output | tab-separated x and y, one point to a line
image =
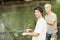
41	29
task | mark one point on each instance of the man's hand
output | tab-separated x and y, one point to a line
27	31
24	34
50	22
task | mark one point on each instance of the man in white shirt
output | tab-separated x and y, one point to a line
51	20
40	29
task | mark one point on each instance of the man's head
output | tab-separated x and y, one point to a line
38	11
47	7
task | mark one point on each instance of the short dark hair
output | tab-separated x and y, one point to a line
38	8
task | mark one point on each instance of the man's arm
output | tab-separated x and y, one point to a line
30	34
50	22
